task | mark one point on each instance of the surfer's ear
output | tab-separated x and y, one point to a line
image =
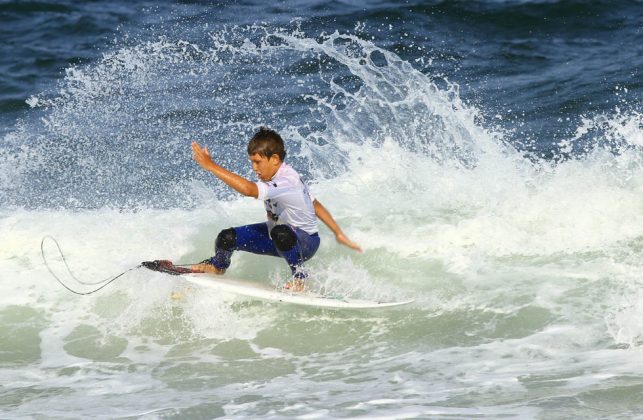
275	159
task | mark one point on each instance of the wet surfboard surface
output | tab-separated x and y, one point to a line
268	293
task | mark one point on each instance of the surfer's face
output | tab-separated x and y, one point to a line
264	167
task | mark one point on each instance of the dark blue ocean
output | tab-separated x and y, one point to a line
487	154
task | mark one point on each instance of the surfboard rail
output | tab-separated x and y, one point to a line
263	291
267	293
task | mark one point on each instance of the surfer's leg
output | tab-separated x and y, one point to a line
295	246
255	239
224	246
250	238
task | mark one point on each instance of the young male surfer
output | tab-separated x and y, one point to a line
291	229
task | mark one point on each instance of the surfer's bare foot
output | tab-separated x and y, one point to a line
295	285
207	268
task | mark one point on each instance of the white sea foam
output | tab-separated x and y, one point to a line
526	273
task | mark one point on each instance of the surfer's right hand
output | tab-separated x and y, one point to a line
201	155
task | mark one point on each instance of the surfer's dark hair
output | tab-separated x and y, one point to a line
267	142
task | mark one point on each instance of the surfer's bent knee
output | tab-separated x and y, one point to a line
283	237
227	239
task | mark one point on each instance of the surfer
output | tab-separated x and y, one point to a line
290	230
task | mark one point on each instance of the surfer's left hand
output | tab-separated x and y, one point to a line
342	239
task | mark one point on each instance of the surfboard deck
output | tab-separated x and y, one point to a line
271	294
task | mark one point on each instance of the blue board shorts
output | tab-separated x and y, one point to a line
256	239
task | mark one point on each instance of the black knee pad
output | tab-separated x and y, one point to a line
283	237
227	239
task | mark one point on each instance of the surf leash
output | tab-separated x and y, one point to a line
103	283
166	266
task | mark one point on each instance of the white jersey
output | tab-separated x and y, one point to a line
288	200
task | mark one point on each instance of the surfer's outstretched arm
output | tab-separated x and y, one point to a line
236	182
325	216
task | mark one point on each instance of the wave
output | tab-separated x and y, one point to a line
115	133
406	165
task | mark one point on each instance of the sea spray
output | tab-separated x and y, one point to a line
525	271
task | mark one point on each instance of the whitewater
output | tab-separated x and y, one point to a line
526	271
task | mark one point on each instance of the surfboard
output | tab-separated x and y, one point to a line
271	294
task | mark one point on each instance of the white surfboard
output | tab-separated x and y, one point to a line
268	293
